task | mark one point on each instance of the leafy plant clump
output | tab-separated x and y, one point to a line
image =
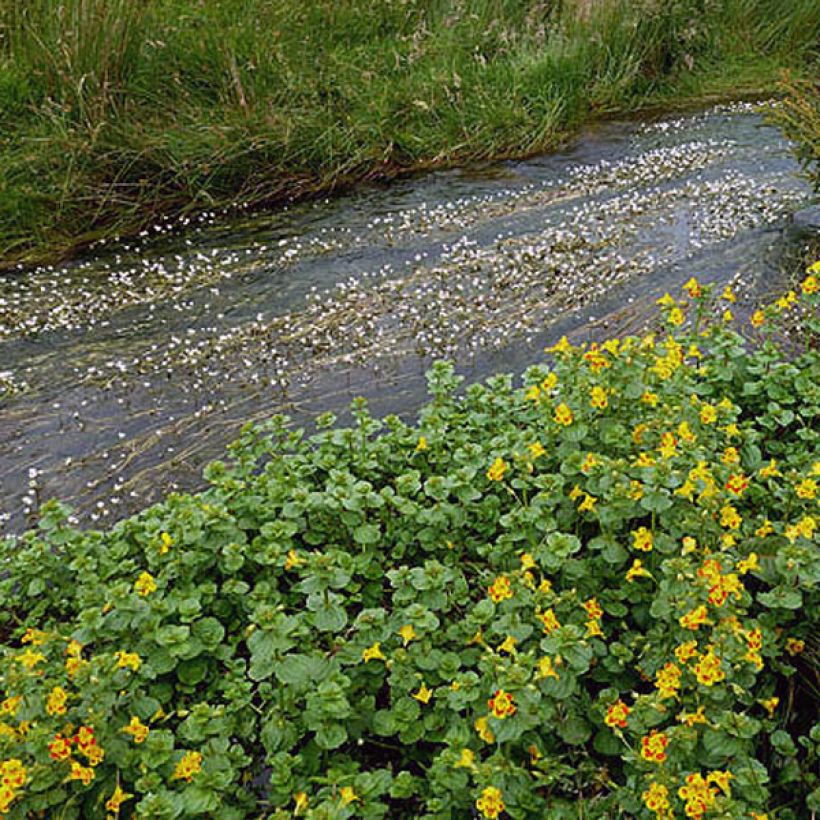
595	595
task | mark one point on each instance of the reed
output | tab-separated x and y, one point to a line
113	111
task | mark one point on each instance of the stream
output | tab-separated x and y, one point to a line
122	373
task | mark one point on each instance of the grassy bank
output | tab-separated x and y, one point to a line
593	596
113	111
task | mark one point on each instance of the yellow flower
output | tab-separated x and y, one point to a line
708	414
536	449
10	705
550	383
691	718
764	529
676	317
809	285
770	704
666	301
466	760
533	393
300	802
728	295
794	646
594	629
501	705
758	319
721	780
508	645
650	398
694	619
642	539
490	804
34	636
598	398
549	621
128	660
656	799
730	456
423	695
617	714
807	488
421	446
373	653
117	799
770	470
80	772
137	729
563	415
30	659
500	589
546	669
527	561
588	503
667	680
590	462
166	542
293	560
690	545
408	633
748	564
497	470
692	287
348	795
708	670
55	703
145	584
637	571
561	346
729	517
484	731
187	767
653	747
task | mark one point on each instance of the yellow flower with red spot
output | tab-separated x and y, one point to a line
730	518
500	589
59	748
549	620
642	539
758	319
692	287
708	414
694	619
807	488
501	705
686	651
490	804
656	799
653	747
810	285
691	718
137	729
598	398
617	714
79	772
145	584
667	681
698	796
116	800
293	560
563	415
56	700
794	646
737	484
708	670
188	766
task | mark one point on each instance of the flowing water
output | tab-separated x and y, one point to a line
123	373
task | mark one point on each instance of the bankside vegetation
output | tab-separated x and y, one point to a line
592	595
113	112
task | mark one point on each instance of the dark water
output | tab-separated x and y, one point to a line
123	373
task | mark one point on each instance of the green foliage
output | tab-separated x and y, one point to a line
112	111
597	593
799	117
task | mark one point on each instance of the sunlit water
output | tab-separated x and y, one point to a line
137	364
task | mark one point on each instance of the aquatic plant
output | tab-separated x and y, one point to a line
596	592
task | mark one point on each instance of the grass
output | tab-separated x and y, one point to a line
115	111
